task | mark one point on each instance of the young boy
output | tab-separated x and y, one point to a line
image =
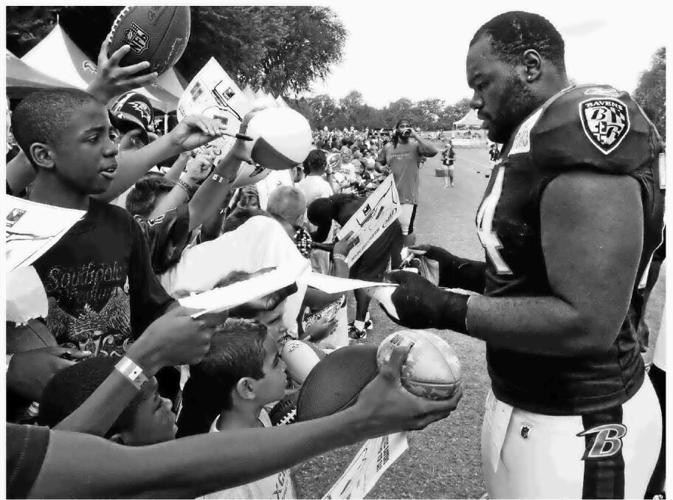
148	419
100	285
228	390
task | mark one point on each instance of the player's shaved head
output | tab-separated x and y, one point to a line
514	32
42	116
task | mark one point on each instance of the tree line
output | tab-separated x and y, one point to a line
282	50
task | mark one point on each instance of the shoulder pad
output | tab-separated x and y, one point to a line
592	126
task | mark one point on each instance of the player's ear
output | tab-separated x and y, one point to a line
42	155
532	61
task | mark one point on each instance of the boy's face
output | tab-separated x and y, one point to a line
153	420
85	154
272	386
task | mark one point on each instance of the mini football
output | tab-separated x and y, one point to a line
431	370
156	34
335	383
282	138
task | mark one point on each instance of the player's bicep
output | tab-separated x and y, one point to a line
592	227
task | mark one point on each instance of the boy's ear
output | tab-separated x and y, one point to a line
245	388
42	155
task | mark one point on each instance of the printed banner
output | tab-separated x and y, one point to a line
378	212
369	464
33	228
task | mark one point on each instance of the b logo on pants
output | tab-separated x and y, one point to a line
608	441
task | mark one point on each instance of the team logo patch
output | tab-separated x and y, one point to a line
137	39
605	122
606	443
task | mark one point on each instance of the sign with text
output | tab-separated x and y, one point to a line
368	465
381	208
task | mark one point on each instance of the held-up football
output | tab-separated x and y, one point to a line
156	34
431	370
335	383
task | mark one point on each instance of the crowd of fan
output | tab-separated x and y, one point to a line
171	223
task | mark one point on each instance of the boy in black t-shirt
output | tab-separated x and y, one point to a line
100	285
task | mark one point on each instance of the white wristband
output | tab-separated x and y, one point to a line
131	371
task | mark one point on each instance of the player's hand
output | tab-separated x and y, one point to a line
30	371
174	339
445	261
112	79
387	407
418	303
196	130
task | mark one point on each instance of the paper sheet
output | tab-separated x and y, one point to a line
227	297
33	228
332	284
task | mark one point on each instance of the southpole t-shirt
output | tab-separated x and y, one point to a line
101	289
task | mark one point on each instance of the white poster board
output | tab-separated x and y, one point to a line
214	94
369	464
381	208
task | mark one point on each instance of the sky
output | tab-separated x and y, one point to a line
416	49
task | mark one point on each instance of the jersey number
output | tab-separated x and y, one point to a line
489	240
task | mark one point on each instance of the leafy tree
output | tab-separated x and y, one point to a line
279	49
651	91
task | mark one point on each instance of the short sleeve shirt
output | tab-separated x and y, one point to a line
404	161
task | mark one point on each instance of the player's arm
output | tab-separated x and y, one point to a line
424	147
592	227
79	465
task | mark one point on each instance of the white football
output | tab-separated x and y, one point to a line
282	138
431	370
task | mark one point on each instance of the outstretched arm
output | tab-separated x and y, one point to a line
79	465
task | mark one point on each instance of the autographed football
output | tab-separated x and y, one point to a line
335	382
156	34
431	370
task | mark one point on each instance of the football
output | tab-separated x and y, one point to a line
431	370
335	383
156	34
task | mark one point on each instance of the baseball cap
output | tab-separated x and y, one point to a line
133	110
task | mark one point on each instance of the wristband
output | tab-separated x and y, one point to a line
338	256
131	371
190	190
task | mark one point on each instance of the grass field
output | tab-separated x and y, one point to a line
443	460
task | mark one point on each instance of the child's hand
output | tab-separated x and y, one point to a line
196	130
112	79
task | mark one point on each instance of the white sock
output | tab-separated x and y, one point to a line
360	325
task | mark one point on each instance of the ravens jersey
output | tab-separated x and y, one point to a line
588	127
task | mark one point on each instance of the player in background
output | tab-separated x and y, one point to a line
569	222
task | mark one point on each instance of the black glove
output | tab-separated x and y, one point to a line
420	304
454	272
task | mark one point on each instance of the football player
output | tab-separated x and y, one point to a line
569	221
